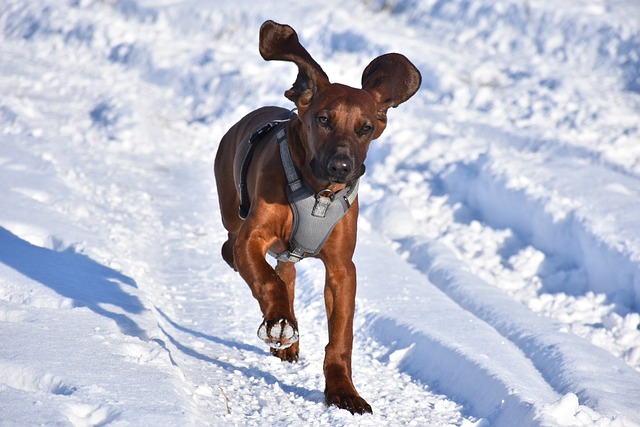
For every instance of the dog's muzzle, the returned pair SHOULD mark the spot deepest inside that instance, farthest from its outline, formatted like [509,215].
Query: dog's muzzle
[340,168]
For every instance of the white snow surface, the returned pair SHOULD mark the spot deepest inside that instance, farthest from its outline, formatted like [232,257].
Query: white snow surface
[499,236]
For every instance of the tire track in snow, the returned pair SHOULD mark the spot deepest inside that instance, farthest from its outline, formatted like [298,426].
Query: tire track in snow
[443,345]
[566,363]
[535,229]
[553,362]
[587,228]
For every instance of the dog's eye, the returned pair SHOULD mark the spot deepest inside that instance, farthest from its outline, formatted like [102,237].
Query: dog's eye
[365,130]
[323,121]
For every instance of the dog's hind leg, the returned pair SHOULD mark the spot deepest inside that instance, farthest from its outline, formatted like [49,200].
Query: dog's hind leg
[227,250]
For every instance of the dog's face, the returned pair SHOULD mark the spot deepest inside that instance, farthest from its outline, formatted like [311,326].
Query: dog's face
[339,125]
[339,121]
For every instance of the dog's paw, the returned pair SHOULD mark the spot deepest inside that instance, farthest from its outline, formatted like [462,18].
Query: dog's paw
[351,402]
[279,334]
[290,354]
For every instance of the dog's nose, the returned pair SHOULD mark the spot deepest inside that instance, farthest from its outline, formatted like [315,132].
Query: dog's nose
[339,167]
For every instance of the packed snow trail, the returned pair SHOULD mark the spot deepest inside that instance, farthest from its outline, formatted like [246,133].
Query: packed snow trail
[498,255]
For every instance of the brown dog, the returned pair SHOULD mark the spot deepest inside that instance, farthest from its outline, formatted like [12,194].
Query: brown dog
[327,143]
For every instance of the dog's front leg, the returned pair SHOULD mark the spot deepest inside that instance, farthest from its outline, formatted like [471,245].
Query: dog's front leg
[340,293]
[279,328]
[287,272]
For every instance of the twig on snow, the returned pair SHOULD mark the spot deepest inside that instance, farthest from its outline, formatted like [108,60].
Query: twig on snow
[226,400]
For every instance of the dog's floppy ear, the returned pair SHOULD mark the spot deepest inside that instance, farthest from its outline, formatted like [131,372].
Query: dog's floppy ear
[280,42]
[391,79]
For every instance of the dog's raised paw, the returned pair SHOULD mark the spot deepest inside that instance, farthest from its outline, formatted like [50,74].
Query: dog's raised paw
[278,333]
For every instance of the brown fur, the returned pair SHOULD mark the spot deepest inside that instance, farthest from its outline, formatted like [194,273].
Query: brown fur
[328,140]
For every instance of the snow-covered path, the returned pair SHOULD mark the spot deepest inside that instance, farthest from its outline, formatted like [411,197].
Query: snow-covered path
[498,255]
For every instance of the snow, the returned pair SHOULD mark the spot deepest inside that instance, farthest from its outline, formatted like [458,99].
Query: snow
[498,254]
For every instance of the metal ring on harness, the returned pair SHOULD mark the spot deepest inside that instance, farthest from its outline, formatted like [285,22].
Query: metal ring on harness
[326,193]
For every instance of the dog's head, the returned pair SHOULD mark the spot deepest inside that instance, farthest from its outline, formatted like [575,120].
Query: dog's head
[339,121]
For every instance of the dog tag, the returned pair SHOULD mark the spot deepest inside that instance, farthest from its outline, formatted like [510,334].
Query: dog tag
[323,200]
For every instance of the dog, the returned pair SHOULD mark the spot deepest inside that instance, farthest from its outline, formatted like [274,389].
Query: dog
[259,191]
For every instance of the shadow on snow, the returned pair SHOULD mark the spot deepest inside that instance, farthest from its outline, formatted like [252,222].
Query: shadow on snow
[75,276]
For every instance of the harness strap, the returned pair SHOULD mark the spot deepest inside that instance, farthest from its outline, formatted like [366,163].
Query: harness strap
[314,215]
[293,180]
[256,136]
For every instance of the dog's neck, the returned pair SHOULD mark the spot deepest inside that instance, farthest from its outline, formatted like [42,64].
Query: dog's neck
[297,142]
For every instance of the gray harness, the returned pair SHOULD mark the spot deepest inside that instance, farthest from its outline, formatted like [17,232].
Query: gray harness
[314,214]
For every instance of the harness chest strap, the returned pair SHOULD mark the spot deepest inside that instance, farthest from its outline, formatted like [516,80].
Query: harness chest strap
[314,215]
